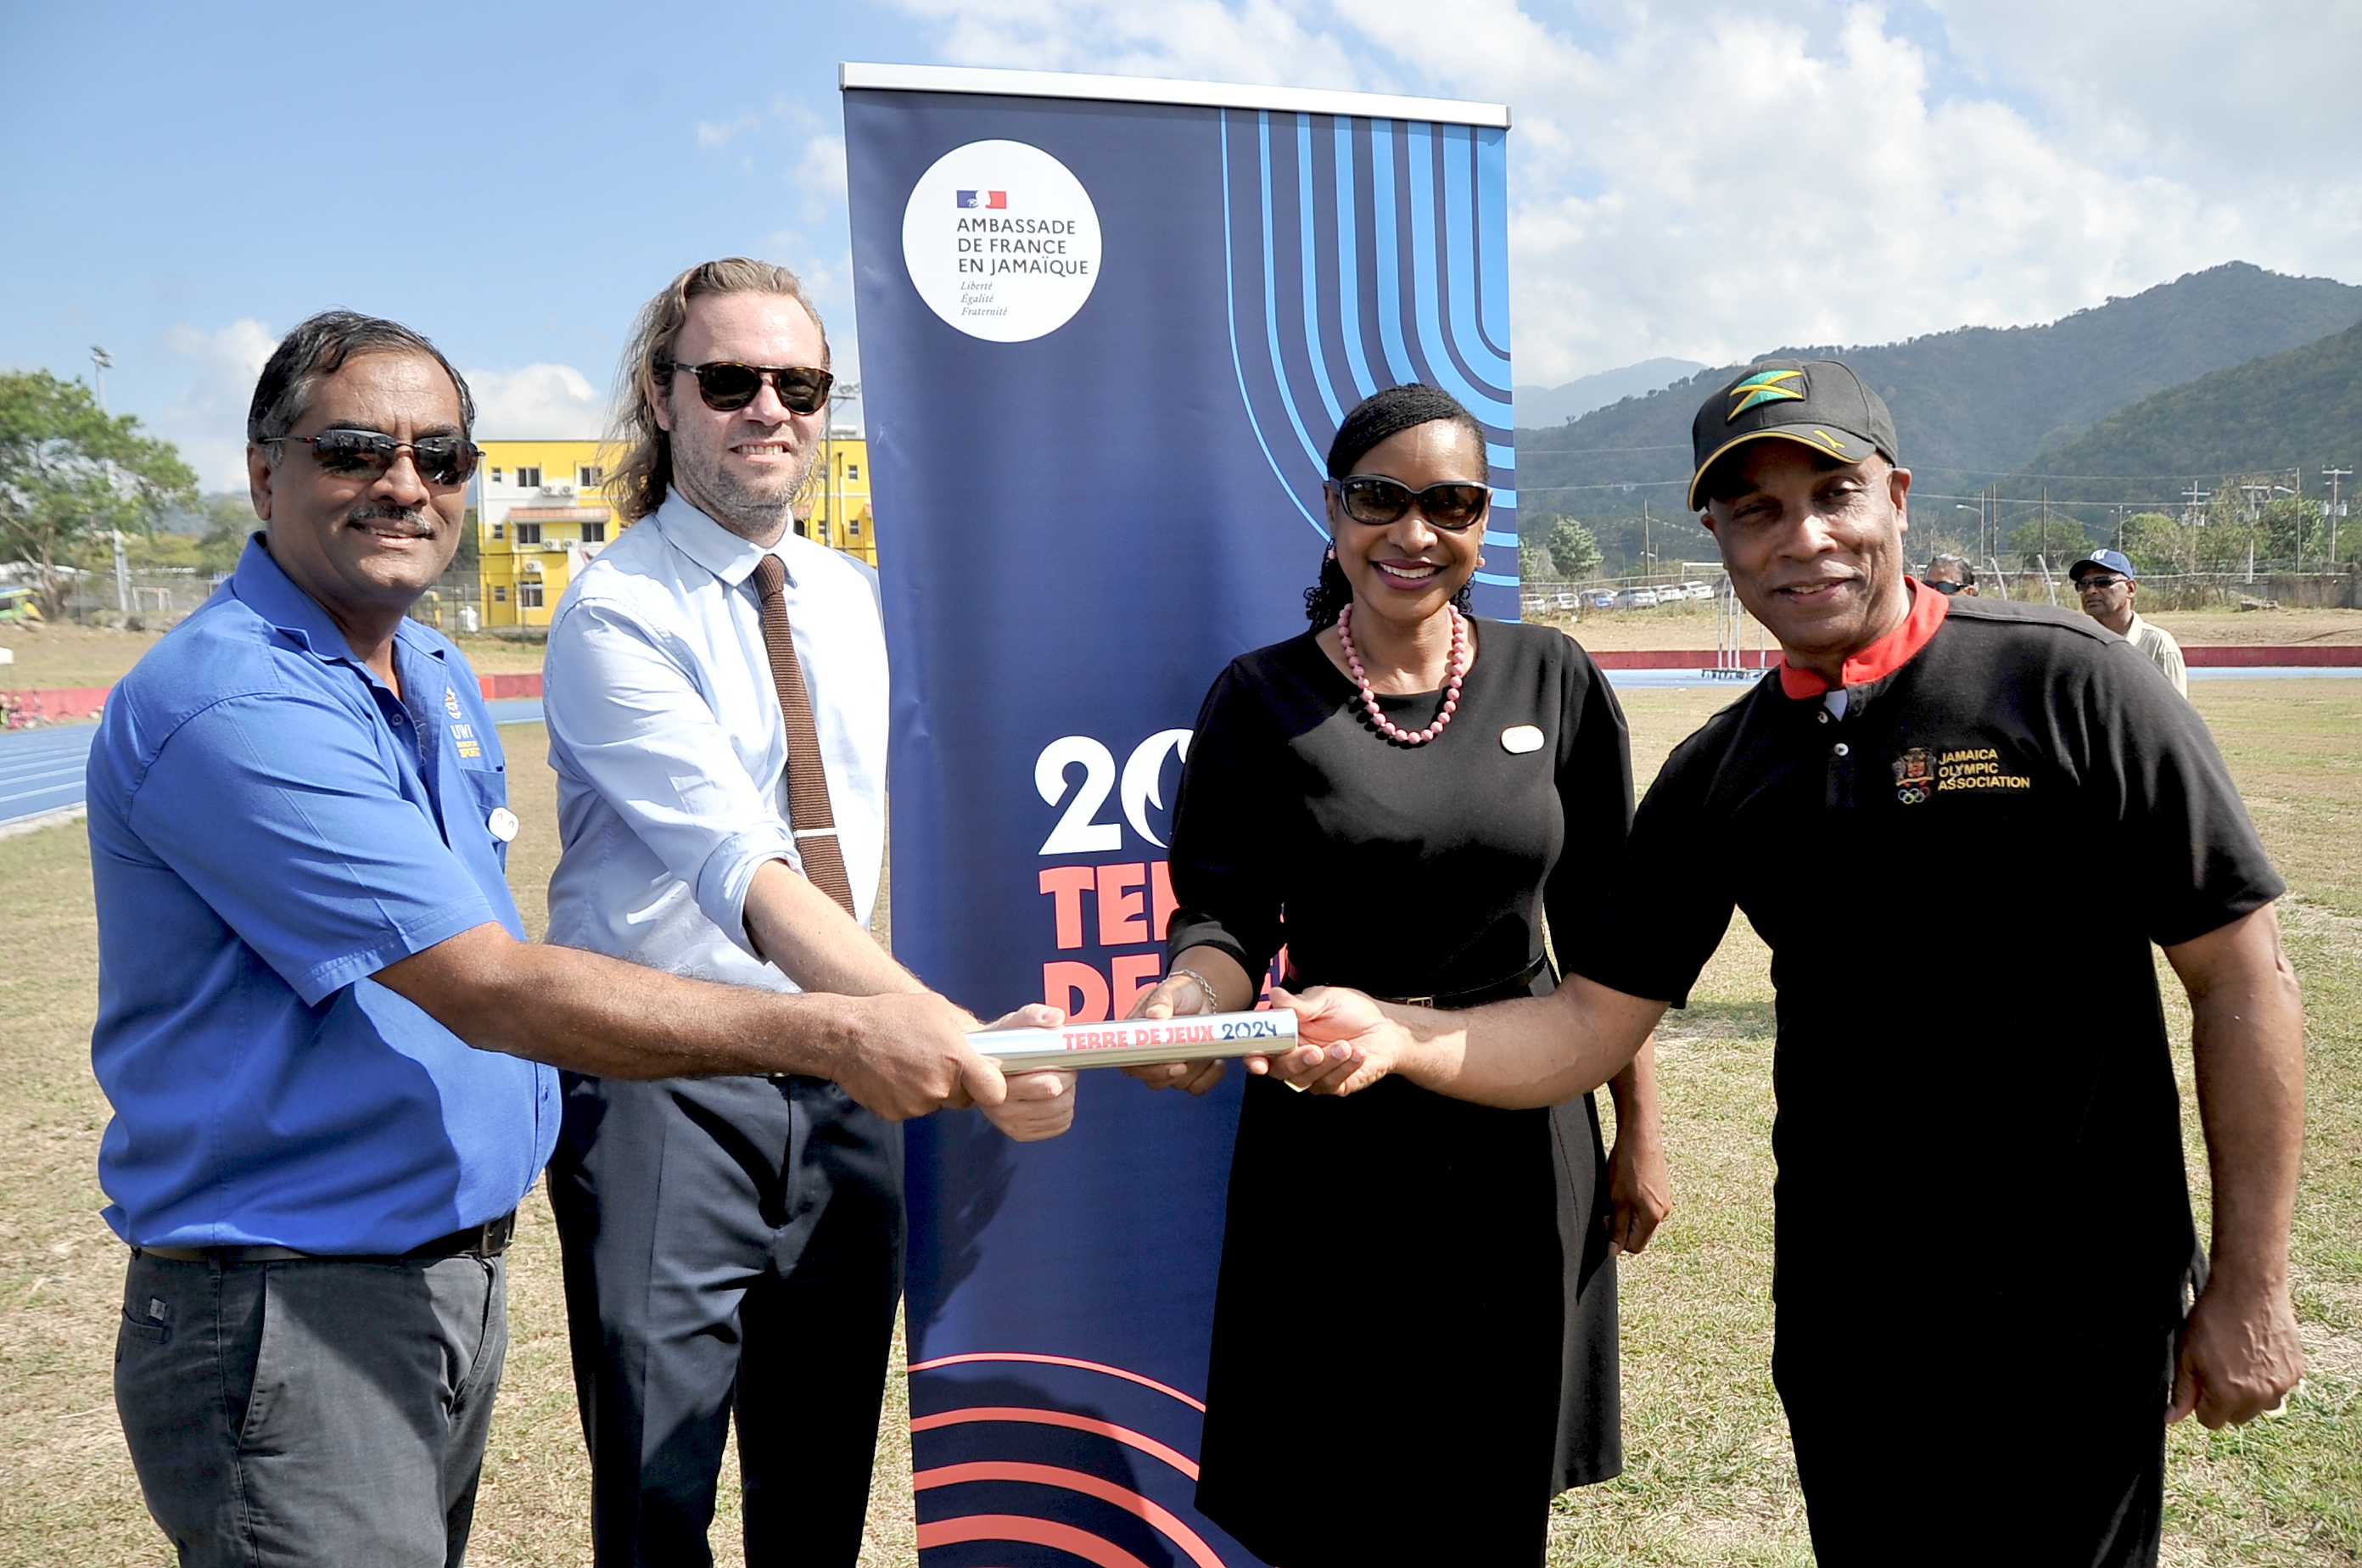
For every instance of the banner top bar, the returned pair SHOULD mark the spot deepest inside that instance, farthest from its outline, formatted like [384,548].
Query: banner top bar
[851,75]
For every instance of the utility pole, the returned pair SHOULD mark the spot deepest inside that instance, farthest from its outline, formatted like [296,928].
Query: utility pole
[122,575]
[2332,476]
[2257,494]
[2196,514]
[1648,555]
[100,361]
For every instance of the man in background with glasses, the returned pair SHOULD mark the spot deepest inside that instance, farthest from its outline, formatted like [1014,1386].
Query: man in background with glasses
[1950,575]
[2106,583]
[320,1025]
[716,695]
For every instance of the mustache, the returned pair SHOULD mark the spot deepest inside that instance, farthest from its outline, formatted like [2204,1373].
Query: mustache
[415,519]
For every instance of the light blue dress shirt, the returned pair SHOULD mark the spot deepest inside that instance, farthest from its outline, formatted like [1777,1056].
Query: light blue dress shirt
[268,826]
[670,750]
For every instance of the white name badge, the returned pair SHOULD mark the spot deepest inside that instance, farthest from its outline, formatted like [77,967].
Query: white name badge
[1518,739]
[503,824]
[1140,1041]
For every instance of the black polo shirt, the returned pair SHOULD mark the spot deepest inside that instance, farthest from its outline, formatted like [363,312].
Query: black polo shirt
[1959,880]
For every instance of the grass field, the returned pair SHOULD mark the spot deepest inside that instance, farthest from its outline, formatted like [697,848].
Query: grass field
[1708,1480]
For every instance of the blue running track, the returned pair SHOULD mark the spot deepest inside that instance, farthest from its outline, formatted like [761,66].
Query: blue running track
[41,771]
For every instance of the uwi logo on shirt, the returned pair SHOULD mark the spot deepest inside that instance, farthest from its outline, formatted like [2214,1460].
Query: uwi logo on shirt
[1914,777]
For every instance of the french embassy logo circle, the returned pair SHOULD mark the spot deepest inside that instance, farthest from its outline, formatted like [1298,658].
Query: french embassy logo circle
[1001,240]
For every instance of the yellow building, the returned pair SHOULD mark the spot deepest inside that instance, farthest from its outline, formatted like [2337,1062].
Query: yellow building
[542,514]
[834,506]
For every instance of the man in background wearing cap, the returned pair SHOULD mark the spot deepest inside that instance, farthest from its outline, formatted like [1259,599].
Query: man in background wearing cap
[1984,1237]
[2106,582]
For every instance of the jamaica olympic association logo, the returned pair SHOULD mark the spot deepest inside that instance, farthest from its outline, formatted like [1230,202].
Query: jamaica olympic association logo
[1914,777]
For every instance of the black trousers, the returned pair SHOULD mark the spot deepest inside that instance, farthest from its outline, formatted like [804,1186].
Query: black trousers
[732,1245]
[2041,1448]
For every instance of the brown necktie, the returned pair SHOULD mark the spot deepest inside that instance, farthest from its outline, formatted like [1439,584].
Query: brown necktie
[807,809]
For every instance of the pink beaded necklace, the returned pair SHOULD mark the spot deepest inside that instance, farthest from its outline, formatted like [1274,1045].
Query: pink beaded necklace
[1454,672]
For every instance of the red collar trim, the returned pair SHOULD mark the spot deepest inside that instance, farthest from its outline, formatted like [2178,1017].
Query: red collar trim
[1882,657]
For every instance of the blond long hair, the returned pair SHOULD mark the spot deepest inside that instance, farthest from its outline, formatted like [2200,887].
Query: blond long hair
[638,479]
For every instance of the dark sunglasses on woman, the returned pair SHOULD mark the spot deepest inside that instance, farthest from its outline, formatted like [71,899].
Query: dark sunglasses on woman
[727,386]
[1380,502]
[440,459]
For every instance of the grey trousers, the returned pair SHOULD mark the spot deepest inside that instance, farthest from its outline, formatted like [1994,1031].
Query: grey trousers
[318,1412]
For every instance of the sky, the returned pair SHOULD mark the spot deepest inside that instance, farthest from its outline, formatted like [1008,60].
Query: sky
[1694,178]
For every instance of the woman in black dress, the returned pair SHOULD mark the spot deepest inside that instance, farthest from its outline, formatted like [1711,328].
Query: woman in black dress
[1400,797]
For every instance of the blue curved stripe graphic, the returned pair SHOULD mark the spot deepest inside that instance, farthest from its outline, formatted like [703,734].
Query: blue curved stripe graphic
[1427,288]
[1460,235]
[1349,262]
[1271,306]
[1389,297]
[1380,248]
[1489,149]
[1304,237]
[1230,292]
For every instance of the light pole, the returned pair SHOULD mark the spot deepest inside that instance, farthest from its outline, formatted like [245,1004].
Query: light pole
[100,361]
[2332,476]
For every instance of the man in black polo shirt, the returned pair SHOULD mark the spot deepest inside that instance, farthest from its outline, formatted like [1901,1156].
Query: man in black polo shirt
[1985,1248]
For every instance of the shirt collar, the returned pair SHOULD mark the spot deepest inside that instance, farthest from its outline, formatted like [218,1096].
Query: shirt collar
[729,557]
[264,587]
[1882,657]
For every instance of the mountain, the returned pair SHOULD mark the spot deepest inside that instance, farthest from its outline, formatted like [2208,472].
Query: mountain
[1540,406]
[1971,405]
[2301,410]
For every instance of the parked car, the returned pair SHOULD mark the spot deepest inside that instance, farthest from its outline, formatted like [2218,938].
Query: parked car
[1698,590]
[1603,600]
[1637,598]
[1533,603]
[1565,602]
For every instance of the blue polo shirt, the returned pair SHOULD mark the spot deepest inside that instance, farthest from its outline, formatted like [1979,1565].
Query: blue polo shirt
[269,827]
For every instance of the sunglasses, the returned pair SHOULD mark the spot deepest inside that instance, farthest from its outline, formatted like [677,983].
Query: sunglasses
[1381,503]
[1947,589]
[726,385]
[2095,582]
[440,459]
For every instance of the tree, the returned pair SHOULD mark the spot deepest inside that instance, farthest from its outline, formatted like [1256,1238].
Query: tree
[70,474]
[230,518]
[2055,536]
[2161,543]
[1572,549]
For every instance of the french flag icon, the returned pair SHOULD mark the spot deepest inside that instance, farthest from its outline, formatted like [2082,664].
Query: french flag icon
[984,198]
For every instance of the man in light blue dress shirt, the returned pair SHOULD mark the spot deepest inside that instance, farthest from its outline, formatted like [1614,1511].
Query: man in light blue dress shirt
[732,1244]
[320,1027]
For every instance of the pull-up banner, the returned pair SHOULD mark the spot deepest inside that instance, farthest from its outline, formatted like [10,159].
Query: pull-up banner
[1108,328]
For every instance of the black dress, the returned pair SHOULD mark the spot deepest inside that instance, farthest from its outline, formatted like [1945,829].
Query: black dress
[1415,1330]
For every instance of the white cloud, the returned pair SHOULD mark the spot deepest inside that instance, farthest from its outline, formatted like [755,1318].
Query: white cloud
[819,171]
[539,402]
[1692,180]
[208,421]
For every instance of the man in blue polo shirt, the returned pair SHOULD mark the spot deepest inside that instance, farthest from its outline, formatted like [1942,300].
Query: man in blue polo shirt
[324,1036]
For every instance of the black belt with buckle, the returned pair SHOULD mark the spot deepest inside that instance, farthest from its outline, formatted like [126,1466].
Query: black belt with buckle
[488,1240]
[1518,985]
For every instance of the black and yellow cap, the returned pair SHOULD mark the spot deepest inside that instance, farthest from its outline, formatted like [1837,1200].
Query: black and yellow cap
[1820,404]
